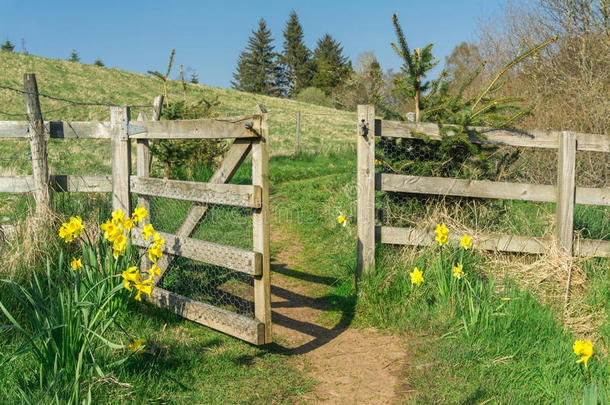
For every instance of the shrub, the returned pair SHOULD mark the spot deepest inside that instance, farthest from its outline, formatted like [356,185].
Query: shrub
[313,95]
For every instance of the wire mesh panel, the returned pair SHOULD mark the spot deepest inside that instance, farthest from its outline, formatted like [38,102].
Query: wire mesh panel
[592,171]
[438,160]
[223,225]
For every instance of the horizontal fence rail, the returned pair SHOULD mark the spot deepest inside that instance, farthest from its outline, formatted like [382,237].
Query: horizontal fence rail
[215,193]
[211,128]
[242,327]
[494,136]
[501,242]
[244,261]
[485,189]
[73,183]
[565,194]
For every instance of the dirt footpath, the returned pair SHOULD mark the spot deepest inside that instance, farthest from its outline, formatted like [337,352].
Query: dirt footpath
[350,365]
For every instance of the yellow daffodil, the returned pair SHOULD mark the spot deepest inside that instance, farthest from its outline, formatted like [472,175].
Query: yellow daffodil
[442,239]
[342,220]
[377,162]
[72,229]
[155,270]
[154,253]
[76,264]
[417,277]
[130,275]
[110,230]
[458,271]
[158,240]
[143,287]
[137,346]
[118,246]
[584,350]
[148,231]
[465,241]
[139,214]
[128,223]
[75,226]
[118,216]
[442,234]
[64,233]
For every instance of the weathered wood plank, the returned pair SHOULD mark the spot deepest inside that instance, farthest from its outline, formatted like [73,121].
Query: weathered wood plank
[365,132]
[38,145]
[503,243]
[59,129]
[566,180]
[593,196]
[240,195]
[591,248]
[58,182]
[121,159]
[495,136]
[244,261]
[466,188]
[261,221]
[485,189]
[211,128]
[228,322]
[17,184]
[229,165]
[82,184]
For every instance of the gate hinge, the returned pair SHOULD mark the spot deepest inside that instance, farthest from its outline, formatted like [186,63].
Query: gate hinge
[127,128]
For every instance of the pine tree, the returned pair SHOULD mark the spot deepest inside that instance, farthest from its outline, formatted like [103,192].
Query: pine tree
[331,67]
[194,78]
[8,46]
[414,68]
[296,57]
[258,67]
[74,56]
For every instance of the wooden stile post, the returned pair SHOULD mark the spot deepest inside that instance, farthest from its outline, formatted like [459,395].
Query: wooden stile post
[260,221]
[121,158]
[38,144]
[566,190]
[366,188]
[297,133]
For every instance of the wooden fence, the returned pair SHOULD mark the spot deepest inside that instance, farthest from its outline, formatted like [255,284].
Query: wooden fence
[249,134]
[565,194]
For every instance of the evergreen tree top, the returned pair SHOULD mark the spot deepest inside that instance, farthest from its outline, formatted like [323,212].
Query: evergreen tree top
[331,50]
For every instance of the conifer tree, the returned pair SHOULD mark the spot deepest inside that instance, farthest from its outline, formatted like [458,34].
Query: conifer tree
[8,46]
[258,67]
[415,67]
[74,56]
[296,57]
[331,67]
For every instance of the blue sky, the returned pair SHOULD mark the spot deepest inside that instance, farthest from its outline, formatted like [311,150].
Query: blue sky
[208,36]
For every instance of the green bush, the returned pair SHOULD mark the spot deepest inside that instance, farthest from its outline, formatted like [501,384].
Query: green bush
[314,95]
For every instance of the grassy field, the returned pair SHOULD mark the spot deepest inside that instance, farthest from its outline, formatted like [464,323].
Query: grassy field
[519,352]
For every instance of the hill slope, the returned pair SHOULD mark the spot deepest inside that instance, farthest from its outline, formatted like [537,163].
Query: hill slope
[322,129]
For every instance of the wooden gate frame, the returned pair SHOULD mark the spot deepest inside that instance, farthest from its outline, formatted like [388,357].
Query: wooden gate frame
[250,133]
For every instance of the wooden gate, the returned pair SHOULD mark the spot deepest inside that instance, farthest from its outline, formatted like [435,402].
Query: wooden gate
[250,134]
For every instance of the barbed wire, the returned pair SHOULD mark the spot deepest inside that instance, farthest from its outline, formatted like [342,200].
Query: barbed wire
[73,102]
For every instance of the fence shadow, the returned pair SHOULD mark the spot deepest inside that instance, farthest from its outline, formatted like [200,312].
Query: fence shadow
[299,321]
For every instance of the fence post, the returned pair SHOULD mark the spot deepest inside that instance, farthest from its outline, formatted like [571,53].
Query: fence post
[121,158]
[296,133]
[38,143]
[260,220]
[366,188]
[566,173]
[144,158]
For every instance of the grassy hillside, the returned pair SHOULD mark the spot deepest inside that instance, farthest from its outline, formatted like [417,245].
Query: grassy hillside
[322,129]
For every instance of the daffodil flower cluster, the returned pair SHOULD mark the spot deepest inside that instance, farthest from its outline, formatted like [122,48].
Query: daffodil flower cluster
[117,232]
[72,229]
